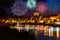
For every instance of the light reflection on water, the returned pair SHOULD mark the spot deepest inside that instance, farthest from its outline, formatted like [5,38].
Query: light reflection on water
[53,32]
[47,30]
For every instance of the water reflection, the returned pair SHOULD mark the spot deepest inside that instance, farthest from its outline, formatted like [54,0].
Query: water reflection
[47,30]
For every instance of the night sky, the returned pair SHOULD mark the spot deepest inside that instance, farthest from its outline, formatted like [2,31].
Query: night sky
[27,7]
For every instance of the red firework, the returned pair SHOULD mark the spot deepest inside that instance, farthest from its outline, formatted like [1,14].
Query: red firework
[41,7]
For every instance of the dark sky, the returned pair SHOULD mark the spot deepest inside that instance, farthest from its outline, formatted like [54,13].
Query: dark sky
[10,6]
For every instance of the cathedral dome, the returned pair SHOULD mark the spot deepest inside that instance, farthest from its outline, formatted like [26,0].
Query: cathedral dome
[36,13]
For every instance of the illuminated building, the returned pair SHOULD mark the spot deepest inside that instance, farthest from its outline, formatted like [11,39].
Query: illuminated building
[36,14]
[53,18]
